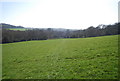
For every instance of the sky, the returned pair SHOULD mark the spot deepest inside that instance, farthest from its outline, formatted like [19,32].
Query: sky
[119,11]
[69,14]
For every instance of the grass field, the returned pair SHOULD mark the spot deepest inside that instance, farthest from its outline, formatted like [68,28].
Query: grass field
[79,58]
[20,29]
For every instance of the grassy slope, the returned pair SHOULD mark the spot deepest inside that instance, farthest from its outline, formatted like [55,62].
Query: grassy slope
[82,58]
[20,29]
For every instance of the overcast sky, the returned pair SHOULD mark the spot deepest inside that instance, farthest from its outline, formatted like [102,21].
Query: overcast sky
[72,14]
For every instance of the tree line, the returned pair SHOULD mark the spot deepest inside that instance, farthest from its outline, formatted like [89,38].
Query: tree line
[9,36]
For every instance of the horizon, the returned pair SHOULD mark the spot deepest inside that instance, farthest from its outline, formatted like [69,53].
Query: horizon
[67,14]
[58,28]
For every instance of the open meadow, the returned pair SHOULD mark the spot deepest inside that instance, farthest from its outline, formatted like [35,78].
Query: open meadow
[18,29]
[72,58]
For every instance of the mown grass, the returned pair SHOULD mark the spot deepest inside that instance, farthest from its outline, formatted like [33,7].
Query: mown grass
[80,58]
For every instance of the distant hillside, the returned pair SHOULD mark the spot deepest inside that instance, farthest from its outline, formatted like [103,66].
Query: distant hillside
[3,25]
[12,33]
[12,27]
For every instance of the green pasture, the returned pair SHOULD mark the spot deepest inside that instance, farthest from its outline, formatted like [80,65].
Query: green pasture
[72,58]
[20,29]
